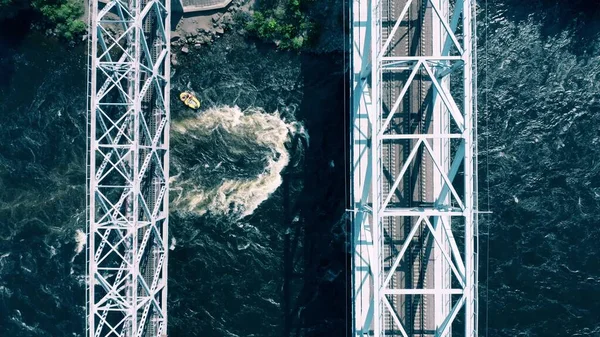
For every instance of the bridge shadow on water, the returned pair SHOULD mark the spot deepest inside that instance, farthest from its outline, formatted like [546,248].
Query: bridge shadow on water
[316,289]
[13,32]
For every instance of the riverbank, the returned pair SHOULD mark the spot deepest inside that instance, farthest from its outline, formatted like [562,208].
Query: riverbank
[193,31]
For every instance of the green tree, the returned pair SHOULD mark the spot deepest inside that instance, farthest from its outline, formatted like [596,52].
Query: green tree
[287,25]
[63,16]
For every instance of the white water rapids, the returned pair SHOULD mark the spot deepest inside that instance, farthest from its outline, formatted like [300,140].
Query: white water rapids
[231,131]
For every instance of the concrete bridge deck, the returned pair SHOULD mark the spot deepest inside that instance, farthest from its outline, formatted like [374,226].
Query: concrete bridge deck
[191,6]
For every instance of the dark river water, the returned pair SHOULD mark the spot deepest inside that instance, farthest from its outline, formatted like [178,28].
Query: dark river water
[541,136]
[266,256]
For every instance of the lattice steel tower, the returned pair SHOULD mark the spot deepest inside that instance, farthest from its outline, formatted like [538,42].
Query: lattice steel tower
[128,168]
[414,165]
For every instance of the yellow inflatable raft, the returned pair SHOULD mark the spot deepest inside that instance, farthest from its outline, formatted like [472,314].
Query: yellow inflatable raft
[189,99]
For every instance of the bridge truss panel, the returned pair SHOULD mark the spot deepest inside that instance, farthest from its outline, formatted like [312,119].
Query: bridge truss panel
[414,157]
[128,168]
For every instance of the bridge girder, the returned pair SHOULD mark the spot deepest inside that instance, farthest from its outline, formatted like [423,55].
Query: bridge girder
[392,223]
[128,168]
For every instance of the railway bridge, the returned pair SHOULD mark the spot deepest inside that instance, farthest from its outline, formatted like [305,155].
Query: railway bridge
[413,168]
[413,163]
[128,168]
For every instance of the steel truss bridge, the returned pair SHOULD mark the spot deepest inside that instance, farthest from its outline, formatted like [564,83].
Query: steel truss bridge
[128,168]
[414,184]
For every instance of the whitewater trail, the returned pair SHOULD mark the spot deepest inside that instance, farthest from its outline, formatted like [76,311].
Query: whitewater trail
[227,134]
[80,239]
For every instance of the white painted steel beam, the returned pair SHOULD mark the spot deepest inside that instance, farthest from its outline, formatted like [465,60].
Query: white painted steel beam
[128,168]
[362,114]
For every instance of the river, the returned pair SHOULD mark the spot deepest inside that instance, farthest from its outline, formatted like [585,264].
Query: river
[267,258]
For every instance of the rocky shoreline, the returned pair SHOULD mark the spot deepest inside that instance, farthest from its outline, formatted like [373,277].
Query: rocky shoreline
[195,31]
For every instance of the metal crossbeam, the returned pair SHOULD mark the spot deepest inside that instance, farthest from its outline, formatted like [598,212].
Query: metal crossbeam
[128,168]
[413,168]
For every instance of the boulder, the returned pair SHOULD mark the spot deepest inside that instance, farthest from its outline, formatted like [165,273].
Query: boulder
[227,19]
[185,50]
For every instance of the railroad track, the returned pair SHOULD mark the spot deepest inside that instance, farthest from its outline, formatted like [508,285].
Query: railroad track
[410,39]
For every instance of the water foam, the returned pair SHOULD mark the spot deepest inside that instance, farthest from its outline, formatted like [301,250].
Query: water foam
[80,239]
[236,132]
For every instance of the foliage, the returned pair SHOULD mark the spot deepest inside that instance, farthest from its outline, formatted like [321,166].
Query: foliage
[62,16]
[288,25]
